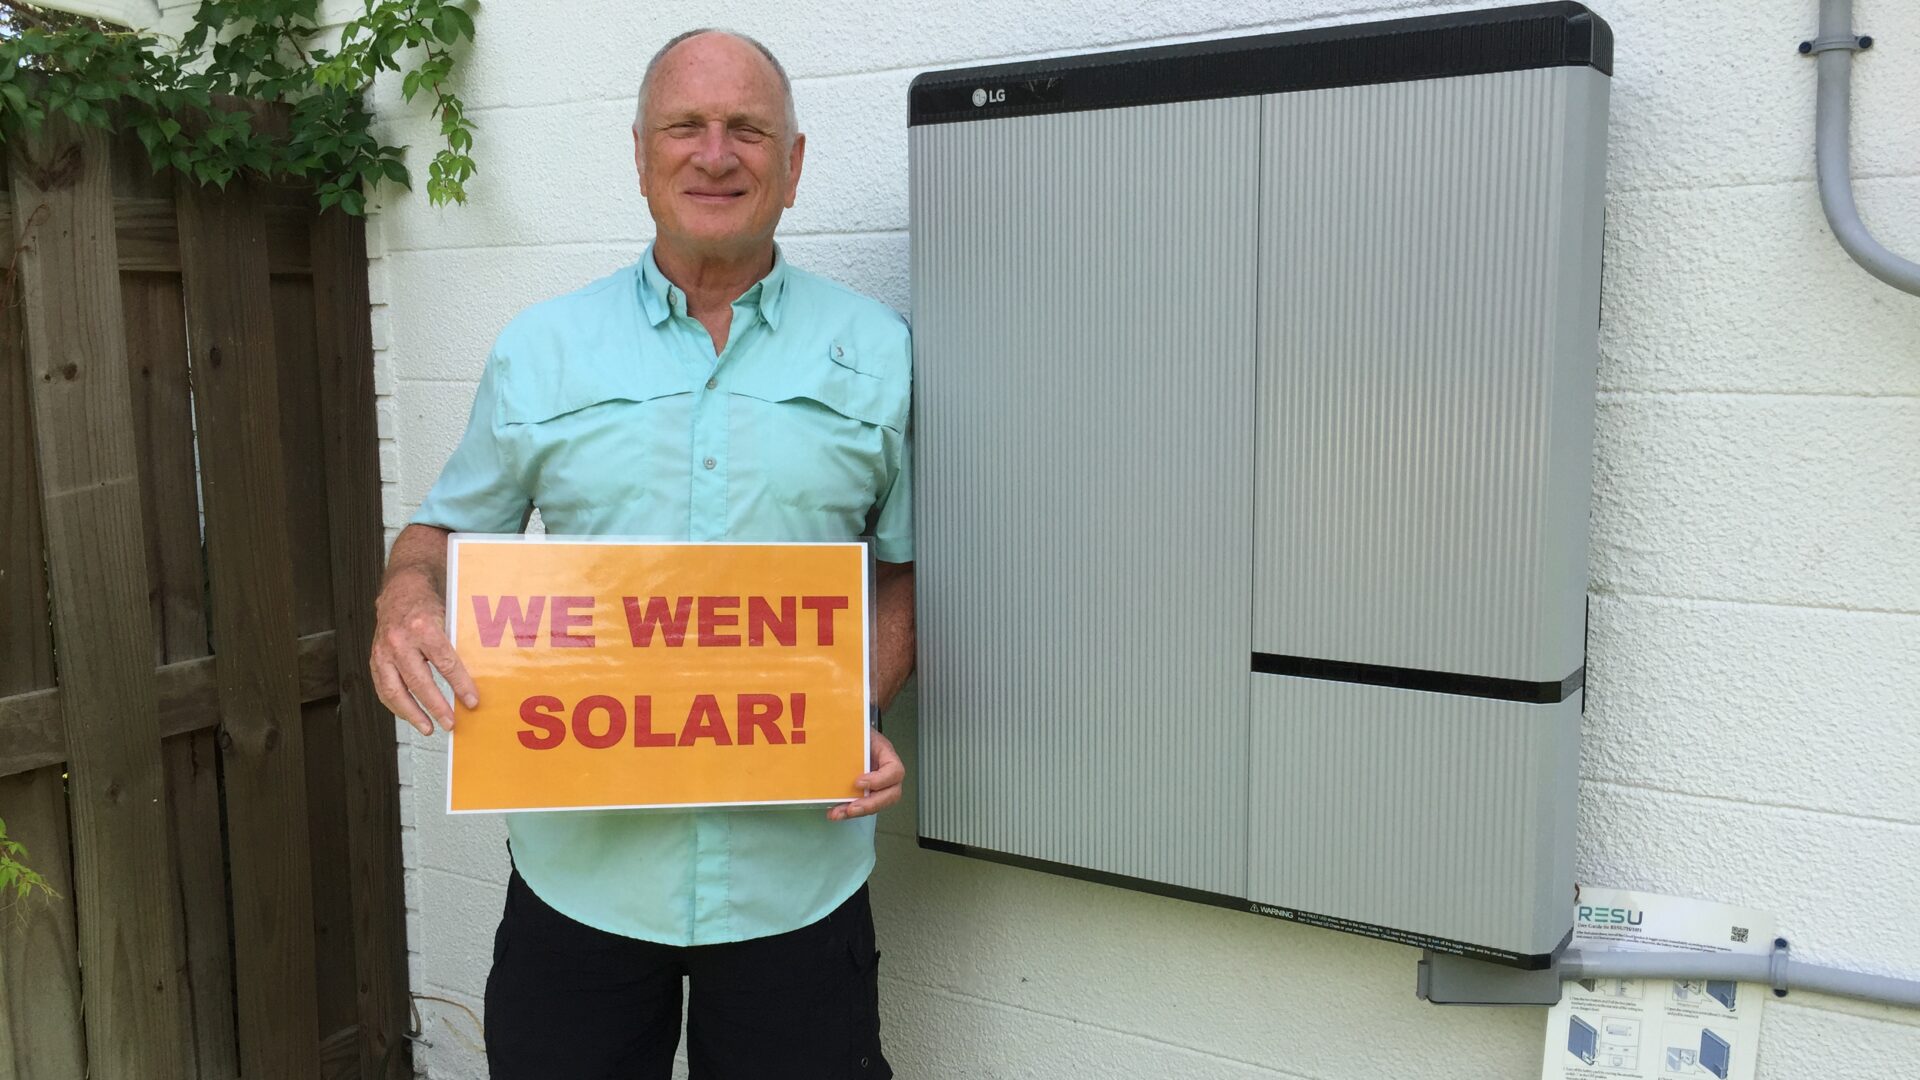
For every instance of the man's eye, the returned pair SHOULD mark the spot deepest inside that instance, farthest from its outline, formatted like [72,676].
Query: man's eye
[684,127]
[749,134]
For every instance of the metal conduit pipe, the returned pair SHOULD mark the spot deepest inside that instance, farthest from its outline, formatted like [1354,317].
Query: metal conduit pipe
[1833,51]
[1776,970]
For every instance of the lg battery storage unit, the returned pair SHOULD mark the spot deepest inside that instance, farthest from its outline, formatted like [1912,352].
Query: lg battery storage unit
[1716,1054]
[1253,410]
[1582,1041]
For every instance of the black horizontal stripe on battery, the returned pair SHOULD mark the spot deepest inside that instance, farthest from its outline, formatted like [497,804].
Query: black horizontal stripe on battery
[1433,682]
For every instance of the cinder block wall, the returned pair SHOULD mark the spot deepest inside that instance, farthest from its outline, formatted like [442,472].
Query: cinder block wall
[1752,732]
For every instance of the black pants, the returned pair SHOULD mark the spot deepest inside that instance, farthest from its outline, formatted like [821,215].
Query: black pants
[568,1002]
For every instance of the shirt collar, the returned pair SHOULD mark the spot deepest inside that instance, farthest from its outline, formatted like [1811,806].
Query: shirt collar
[660,297]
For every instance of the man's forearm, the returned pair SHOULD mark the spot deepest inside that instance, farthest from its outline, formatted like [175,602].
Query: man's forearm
[893,629]
[419,550]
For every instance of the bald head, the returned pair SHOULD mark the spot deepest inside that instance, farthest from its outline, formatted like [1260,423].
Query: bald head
[716,151]
[765,55]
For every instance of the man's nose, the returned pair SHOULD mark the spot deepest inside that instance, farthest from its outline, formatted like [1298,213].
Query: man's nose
[715,152]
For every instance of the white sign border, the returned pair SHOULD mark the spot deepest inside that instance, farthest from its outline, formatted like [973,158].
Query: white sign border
[454,540]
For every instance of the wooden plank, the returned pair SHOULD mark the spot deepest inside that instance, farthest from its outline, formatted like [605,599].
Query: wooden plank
[148,235]
[170,496]
[148,232]
[192,762]
[289,231]
[163,440]
[40,1025]
[303,443]
[290,206]
[26,635]
[223,259]
[156,345]
[334,991]
[343,334]
[89,482]
[31,736]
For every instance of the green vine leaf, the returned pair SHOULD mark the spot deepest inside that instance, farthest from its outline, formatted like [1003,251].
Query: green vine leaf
[262,50]
[15,876]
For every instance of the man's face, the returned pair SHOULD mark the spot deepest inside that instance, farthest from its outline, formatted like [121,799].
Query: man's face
[716,162]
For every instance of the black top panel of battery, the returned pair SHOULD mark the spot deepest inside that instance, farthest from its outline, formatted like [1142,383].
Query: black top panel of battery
[1359,54]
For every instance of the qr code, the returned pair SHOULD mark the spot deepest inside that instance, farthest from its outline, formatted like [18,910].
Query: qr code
[1739,934]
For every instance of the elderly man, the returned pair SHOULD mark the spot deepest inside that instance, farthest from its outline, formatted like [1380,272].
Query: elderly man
[711,391]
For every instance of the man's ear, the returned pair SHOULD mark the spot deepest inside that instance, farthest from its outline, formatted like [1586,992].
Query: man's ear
[640,158]
[795,158]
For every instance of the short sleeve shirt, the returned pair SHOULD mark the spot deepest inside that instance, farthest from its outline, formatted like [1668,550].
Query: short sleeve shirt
[608,411]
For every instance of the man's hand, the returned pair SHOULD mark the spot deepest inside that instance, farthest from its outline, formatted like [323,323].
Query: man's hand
[882,785]
[411,633]
[893,655]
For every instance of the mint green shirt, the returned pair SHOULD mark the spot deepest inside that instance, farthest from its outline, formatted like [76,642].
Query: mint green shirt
[608,411]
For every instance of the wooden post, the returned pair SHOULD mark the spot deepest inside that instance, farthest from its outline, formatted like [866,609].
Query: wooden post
[40,1032]
[96,566]
[223,260]
[344,340]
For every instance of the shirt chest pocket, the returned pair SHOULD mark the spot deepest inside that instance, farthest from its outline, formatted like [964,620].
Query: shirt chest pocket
[818,437]
[597,436]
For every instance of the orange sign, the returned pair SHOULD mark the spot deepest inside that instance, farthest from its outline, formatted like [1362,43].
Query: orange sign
[628,674]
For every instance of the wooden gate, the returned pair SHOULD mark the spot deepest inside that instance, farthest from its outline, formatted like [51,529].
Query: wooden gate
[189,745]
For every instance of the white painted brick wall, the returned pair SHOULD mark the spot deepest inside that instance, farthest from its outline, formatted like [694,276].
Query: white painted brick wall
[1756,565]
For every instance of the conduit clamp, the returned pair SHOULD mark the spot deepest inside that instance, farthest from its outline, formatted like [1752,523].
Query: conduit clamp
[1828,44]
[1777,966]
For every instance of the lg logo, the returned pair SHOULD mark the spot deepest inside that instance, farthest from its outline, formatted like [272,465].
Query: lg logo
[986,97]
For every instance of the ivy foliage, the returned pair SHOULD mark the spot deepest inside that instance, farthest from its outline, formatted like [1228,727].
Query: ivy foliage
[15,878]
[262,50]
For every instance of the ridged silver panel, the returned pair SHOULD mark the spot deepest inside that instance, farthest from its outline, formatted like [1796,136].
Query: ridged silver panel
[1429,813]
[1084,294]
[1428,335]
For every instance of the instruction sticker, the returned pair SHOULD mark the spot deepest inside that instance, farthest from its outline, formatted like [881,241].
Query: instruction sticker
[626,674]
[1658,1029]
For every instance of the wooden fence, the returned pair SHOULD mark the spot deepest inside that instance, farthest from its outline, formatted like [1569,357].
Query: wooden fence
[189,746]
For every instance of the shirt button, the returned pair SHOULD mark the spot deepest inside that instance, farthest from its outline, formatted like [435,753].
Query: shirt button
[709,463]
[711,383]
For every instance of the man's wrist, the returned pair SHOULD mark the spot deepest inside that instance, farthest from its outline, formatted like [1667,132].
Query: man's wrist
[409,585]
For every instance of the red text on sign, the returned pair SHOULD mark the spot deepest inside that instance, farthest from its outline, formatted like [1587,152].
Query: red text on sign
[599,721]
[569,613]
[716,621]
